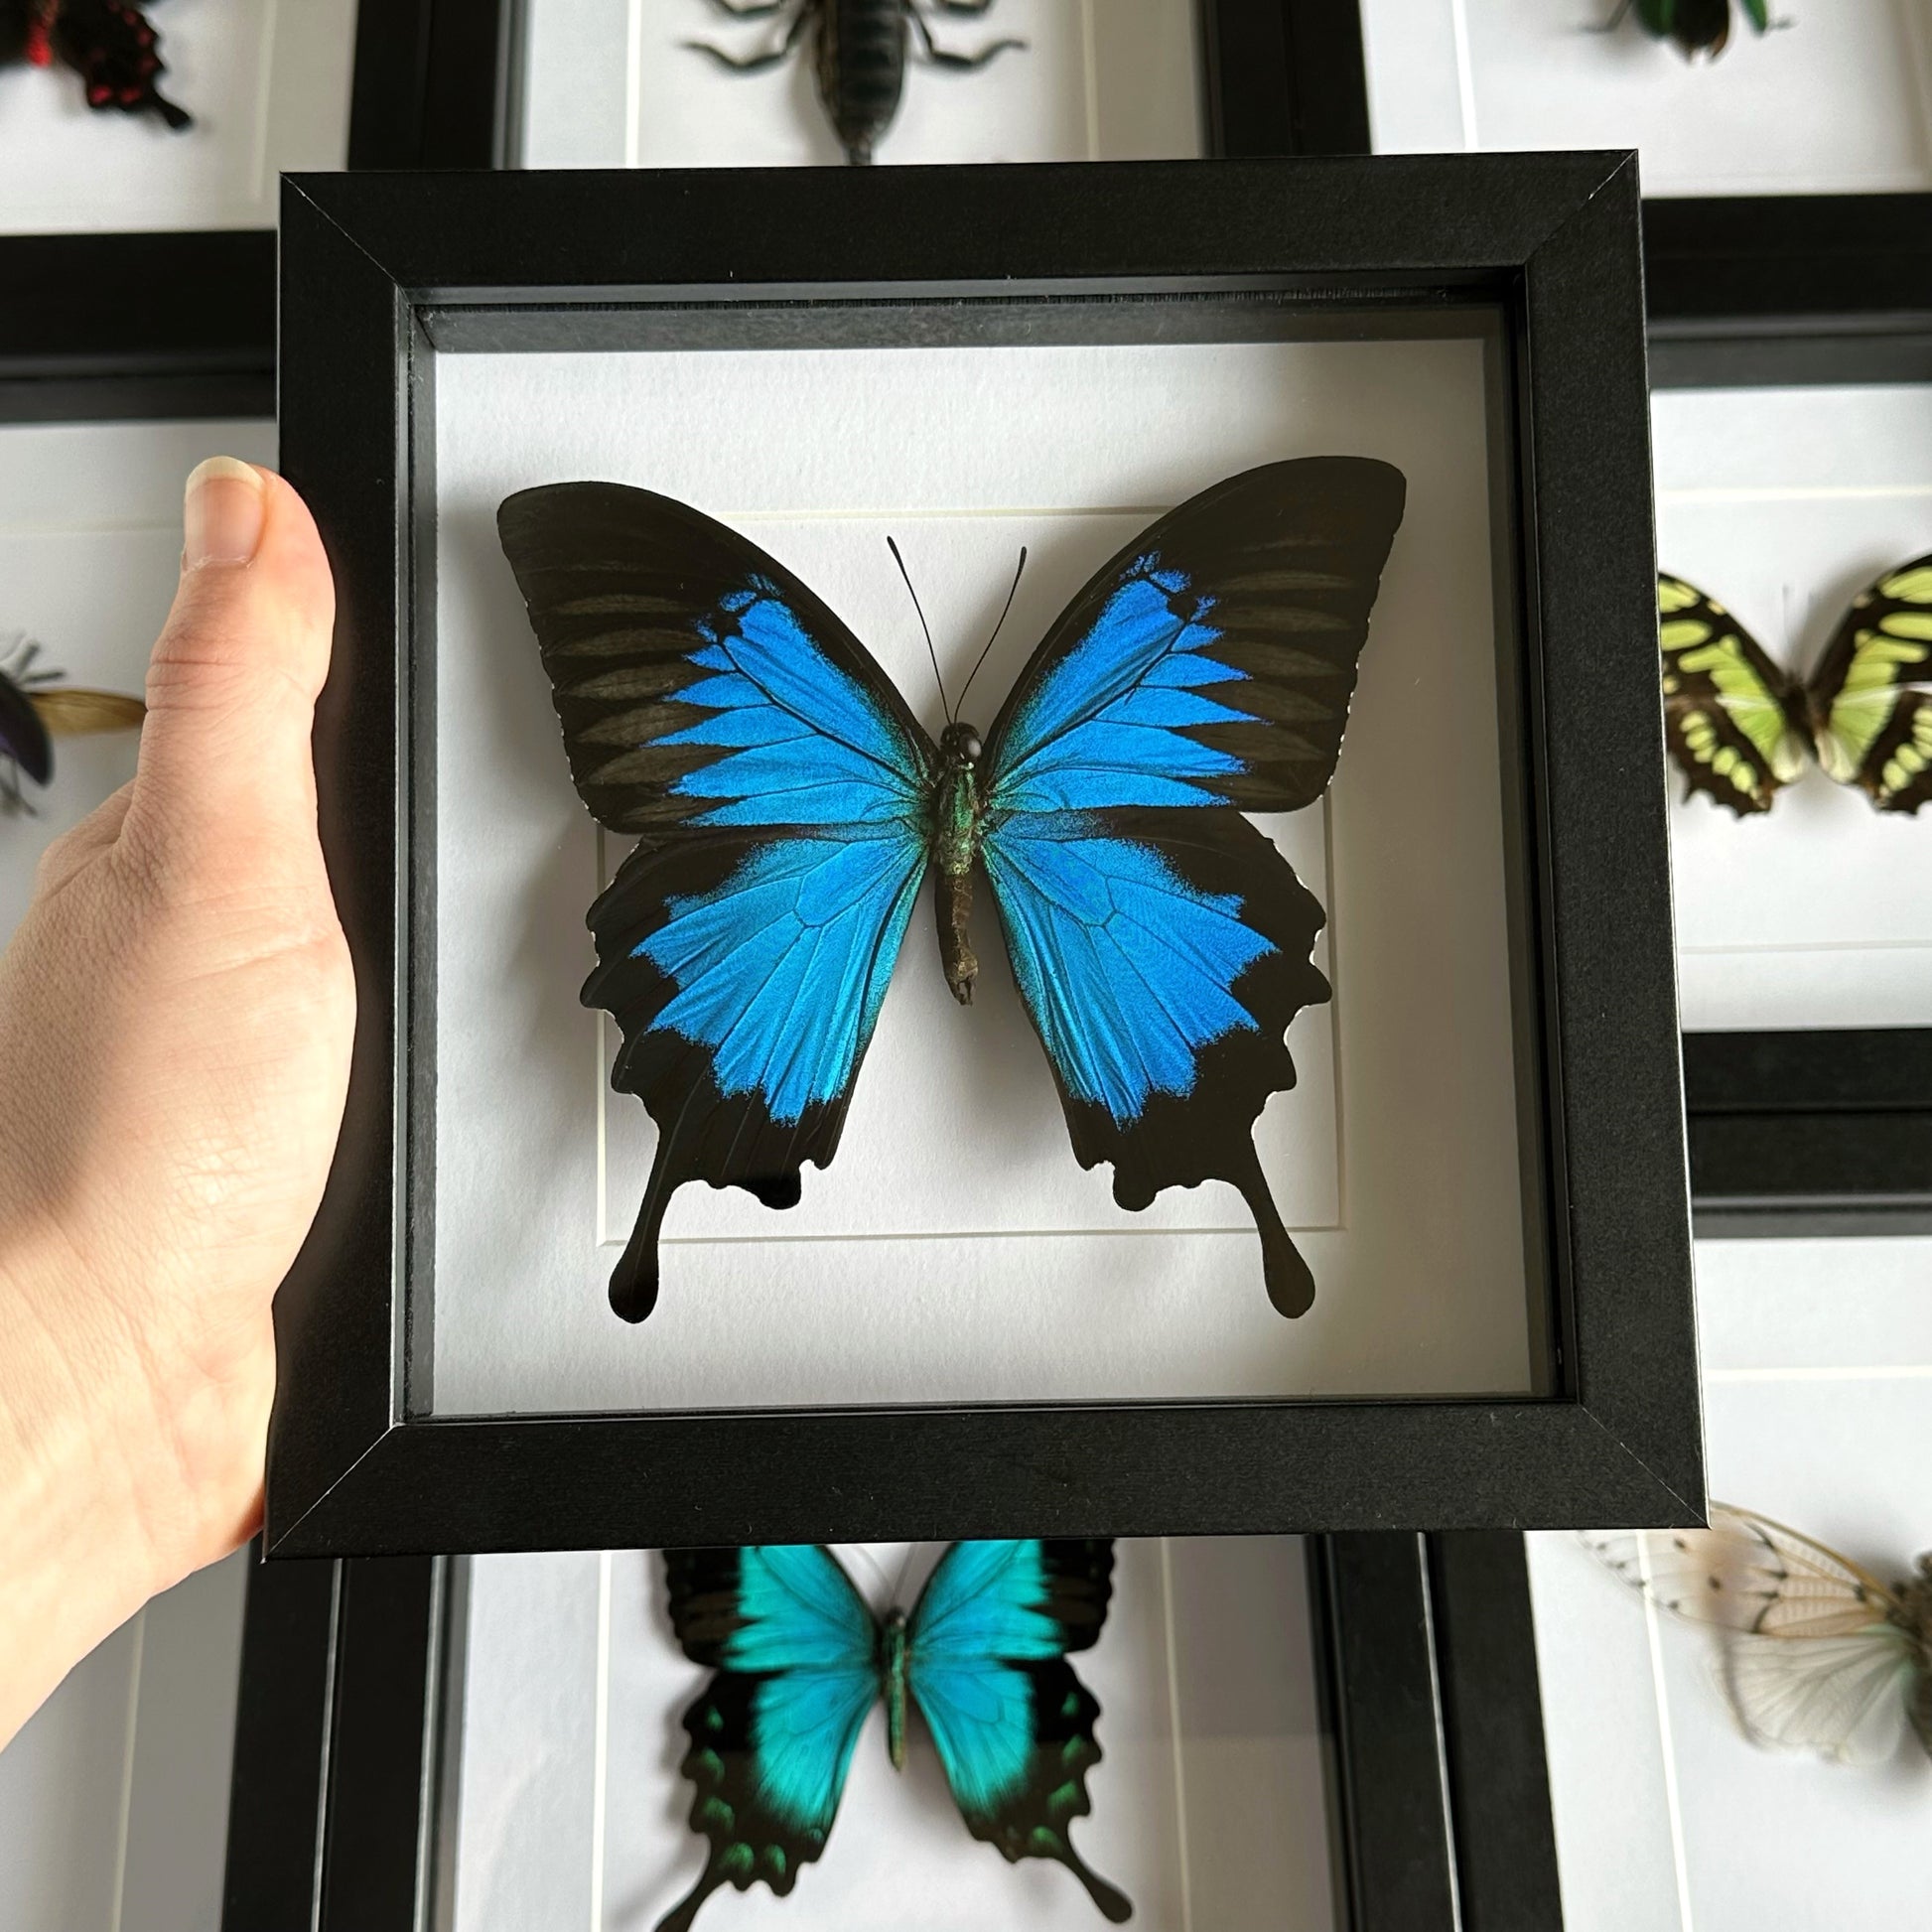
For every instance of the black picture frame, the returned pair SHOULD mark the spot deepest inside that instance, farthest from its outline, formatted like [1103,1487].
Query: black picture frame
[1810,1132]
[128,327]
[342,1817]
[1818,1131]
[381,273]
[1282,77]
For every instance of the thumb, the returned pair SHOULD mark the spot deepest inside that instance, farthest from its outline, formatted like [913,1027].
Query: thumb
[232,682]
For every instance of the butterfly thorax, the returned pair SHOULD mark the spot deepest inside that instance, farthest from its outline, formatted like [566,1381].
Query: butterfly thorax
[1913,1612]
[891,1674]
[955,833]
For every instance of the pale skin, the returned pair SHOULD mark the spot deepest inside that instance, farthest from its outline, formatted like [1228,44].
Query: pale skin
[176,1014]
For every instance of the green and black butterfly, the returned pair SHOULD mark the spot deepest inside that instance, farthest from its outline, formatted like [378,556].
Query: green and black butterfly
[1699,27]
[1738,726]
[799,1659]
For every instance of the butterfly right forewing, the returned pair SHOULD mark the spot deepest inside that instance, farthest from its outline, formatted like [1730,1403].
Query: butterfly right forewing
[1871,698]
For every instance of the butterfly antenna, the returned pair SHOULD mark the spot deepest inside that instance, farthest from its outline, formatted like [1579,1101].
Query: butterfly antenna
[923,626]
[992,641]
[905,1570]
[872,1564]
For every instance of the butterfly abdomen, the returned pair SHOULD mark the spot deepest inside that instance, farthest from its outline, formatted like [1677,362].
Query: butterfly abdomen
[956,832]
[891,1675]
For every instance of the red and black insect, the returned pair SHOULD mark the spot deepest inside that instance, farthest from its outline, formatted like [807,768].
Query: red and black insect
[107,43]
[859,52]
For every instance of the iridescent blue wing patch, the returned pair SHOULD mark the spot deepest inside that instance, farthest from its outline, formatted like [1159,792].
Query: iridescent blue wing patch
[795,1659]
[712,705]
[1162,944]
[986,1661]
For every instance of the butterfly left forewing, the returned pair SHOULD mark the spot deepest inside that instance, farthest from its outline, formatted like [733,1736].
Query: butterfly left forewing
[1870,697]
[1729,720]
[1748,1572]
[1161,943]
[792,1648]
[1014,1725]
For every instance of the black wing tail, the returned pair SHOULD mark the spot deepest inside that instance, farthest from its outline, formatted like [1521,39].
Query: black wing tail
[1035,1822]
[115,51]
[748,1844]
[703,1133]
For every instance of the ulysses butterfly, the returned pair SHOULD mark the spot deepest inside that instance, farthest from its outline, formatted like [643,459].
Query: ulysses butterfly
[800,1660]
[1738,726]
[1818,1654]
[109,43]
[788,807]
[36,708]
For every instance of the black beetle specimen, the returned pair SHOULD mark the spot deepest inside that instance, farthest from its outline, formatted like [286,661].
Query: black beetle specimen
[859,54]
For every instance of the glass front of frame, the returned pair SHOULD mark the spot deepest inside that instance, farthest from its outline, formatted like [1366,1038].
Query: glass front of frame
[617,84]
[955,1251]
[1784,505]
[1209,1801]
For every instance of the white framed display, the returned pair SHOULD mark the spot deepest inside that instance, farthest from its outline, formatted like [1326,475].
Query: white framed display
[612,83]
[1783,504]
[1209,1801]
[267,84]
[1836,98]
[953,1184]
[1818,1397]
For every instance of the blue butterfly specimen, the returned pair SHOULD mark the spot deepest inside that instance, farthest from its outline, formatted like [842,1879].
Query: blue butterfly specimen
[788,807]
[801,1660]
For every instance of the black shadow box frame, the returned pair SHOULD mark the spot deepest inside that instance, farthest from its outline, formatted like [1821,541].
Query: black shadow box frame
[1824,1131]
[1284,76]
[106,327]
[342,1817]
[380,274]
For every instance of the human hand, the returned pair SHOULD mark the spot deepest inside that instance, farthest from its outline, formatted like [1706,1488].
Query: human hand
[176,1016]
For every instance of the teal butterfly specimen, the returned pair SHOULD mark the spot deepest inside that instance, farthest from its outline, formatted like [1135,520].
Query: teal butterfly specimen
[788,807]
[800,1661]
[1697,27]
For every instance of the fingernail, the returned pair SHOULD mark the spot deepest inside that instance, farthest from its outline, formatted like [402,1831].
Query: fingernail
[221,520]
